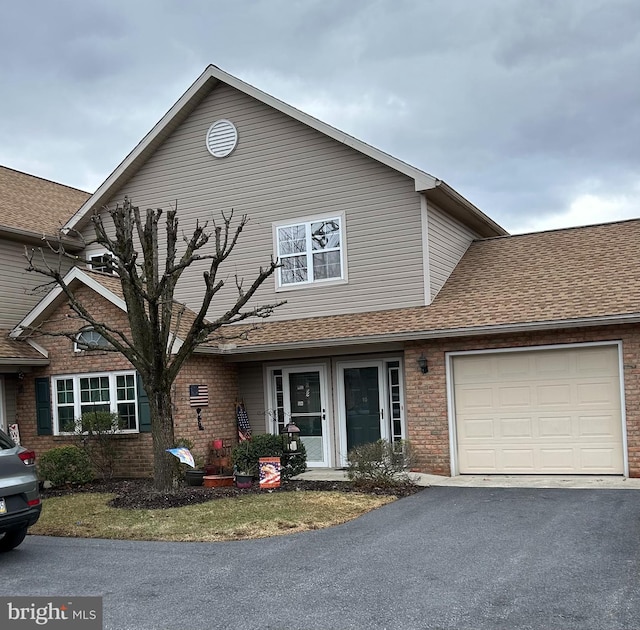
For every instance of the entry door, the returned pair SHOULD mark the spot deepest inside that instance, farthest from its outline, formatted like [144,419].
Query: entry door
[304,390]
[362,404]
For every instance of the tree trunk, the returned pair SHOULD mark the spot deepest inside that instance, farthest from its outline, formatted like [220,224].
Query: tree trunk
[163,438]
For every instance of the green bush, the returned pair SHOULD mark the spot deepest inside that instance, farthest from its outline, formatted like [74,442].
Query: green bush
[379,464]
[65,464]
[246,454]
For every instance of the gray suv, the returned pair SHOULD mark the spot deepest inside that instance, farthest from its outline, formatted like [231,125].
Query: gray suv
[19,494]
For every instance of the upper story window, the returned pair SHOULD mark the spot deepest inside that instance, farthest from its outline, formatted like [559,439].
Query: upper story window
[310,251]
[102,262]
[89,339]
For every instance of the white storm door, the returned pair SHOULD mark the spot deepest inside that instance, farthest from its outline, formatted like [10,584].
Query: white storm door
[305,403]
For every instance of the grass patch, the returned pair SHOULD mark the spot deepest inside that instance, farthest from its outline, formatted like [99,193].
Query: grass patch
[87,515]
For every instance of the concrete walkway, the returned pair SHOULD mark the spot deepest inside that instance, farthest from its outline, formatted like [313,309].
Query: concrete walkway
[497,481]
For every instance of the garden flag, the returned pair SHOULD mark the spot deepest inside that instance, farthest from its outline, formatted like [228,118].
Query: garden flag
[184,455]
[244,428]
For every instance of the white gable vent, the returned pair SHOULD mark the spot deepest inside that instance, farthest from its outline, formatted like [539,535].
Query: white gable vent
[222,138]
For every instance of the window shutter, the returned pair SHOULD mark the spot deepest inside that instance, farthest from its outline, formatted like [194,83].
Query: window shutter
[144,413]
[43,407]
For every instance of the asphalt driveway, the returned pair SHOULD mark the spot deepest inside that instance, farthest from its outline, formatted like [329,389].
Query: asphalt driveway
[471,558]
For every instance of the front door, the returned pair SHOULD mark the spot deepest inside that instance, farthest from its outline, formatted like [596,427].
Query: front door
[300,397]
[370,403]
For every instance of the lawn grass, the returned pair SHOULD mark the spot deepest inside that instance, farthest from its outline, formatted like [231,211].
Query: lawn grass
[87,515]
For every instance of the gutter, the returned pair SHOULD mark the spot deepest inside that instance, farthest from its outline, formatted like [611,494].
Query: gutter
[37,238]
[469,331]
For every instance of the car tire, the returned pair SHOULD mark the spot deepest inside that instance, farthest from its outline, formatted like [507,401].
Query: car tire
[11,539]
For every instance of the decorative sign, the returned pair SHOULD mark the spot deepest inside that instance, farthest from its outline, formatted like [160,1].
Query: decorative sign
[198,395]
[14,433]
[269,472]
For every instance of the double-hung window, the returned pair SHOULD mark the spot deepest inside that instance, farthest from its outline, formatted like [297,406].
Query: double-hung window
[310,251]
[114,392]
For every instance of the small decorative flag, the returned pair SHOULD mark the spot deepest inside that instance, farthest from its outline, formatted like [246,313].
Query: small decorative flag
[244,428]
[183,454]
[269,472]
[198,395]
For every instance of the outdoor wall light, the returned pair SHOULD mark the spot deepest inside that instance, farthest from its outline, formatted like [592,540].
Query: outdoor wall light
[422,364]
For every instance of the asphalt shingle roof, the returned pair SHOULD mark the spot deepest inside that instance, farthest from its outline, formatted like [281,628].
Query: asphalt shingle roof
[36,205]
[569,274]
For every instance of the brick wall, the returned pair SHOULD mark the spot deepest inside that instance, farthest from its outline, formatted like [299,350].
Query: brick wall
[426,394]
[134,451]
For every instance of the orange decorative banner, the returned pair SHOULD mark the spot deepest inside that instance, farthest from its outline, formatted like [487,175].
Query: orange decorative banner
[269,472]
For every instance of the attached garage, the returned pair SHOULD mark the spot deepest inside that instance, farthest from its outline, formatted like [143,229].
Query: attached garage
[538,411]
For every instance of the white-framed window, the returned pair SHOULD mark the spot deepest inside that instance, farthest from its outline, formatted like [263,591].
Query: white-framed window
[90,339]
[102,261]
[310,251]
[73,395]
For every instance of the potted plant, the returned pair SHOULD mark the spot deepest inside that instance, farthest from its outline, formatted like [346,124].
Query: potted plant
[244,465]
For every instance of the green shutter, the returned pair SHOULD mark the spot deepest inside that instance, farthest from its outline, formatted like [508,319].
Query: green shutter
[144,414]
[43,407]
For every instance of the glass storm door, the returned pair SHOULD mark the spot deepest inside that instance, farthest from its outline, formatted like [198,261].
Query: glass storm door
[305,404]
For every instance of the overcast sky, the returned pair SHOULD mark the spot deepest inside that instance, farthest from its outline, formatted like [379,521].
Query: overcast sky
[529,108]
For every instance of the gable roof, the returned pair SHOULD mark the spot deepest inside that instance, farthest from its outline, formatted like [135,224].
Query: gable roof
[106,285]
[582,276]
[34,206]
[436,190]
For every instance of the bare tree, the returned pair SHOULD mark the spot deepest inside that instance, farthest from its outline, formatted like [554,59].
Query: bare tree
[156,320]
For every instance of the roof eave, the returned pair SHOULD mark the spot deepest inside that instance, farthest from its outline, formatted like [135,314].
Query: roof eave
[469,331]
[37,238]
[454,203]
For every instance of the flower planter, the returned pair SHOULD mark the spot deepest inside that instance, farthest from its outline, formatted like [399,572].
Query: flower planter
[244,481]
[194,477]
[217,481]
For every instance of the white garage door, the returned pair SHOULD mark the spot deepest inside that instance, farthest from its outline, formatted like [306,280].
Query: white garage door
[539,412]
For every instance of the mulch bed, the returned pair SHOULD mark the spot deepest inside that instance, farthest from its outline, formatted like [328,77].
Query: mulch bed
[140,494]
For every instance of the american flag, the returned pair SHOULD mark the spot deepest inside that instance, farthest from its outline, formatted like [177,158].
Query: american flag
[244,428]
[198,395]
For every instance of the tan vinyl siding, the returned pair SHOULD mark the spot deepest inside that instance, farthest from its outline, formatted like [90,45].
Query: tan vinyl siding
[250,378]
[448,241]
[17,285]
[283,170]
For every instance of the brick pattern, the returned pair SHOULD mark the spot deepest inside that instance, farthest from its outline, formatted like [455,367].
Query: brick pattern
[135,457]
[426,394]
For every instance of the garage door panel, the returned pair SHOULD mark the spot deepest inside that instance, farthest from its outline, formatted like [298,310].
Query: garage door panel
[479,428]
[474,399]
[539,411]
[514,396]
[598,459]
[557,460]
[516,428]
[555,427]
[599,427]
[598,392]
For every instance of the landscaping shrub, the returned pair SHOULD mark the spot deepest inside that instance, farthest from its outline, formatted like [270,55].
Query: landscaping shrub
[65,464]
[383,464]
[95,436]
[246,454]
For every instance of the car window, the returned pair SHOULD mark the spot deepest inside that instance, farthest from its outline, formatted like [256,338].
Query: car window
[5,441]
